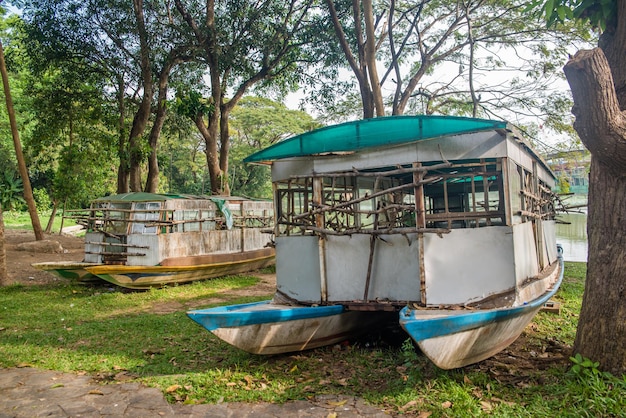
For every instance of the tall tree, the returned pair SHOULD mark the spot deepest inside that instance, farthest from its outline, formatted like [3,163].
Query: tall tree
[21,162]
[244,44]
[597,79]
[437,56]
[134,47]
[71,129]
[142,115]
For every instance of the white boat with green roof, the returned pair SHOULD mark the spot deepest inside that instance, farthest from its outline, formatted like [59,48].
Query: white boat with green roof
[144,240]
[447,221]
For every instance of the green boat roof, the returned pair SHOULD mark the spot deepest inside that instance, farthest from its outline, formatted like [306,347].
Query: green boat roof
[372,133]
[139,197]
[157,197]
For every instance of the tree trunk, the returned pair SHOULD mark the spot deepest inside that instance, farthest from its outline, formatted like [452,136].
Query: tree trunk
[51,219]
[21,163]
[224,150]
[209,133]
[359,66]
[122,171]
[143,113]
[601,333]
[4,276]
[370,57]
[152,181]
[601,125]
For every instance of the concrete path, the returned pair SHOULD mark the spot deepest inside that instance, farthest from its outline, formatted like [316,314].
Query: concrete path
[28,392]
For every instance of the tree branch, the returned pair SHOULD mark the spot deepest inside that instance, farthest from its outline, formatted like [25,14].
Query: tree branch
[600,123]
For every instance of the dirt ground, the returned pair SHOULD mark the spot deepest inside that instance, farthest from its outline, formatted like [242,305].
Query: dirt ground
[22,251]
[519,364]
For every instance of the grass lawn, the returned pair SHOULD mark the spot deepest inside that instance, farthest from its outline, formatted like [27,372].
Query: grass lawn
[146,336]
[21,220]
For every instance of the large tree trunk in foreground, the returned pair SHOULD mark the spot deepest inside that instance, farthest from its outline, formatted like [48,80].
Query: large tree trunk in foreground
[601,125]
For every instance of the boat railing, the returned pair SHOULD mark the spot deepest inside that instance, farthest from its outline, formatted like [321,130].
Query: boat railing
[418,198]
[101,219]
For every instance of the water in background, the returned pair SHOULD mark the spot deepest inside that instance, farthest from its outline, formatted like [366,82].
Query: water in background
[573,237]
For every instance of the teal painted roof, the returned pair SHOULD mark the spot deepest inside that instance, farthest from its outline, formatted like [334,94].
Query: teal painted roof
[137,197]
[154,197]
[157,197]
[372,133]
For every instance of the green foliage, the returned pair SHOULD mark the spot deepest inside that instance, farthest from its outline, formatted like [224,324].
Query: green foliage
[192,103]
[11,191]
[594,392]
[84,172]
[563,184]
[598,13]
[257,123]
[584,368]
[42,200]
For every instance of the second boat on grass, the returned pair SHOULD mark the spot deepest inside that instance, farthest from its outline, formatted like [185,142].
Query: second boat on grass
[451,218]
[144,240]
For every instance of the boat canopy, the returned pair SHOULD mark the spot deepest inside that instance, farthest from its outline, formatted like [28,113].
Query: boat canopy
[158,197]
[140,197]
[372,133]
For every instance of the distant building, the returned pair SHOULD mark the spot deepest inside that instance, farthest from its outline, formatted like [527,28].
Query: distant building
[572,170]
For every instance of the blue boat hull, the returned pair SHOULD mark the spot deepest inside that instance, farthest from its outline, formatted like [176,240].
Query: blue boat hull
[267,328]
[456,338]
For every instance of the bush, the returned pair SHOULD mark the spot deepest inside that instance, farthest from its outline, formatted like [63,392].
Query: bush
[42,200]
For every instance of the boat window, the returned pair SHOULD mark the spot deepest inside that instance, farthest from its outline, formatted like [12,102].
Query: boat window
[257,215]
[466,194]
[115,217]
[338,193]
[515,188]
[177,216]
[208,220]
[535,197]
[189,216]
[294,212]
[145,218]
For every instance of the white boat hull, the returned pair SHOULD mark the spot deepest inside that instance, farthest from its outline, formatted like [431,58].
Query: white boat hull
[456,338]
[297,335]
[269,328]
[473,346]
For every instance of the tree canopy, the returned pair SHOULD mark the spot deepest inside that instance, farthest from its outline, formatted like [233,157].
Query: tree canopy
[120,75]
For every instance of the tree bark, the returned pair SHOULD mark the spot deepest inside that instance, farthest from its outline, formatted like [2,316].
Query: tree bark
[359,66]
[143,113]
[51,219]
[370,57]
[122,171]
[152,181]
[601,125]
[224,150]
[4,276]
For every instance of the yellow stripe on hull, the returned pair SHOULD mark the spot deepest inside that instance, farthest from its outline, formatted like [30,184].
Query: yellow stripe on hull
[145,277]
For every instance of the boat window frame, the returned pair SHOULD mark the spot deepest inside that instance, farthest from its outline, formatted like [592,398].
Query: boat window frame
[393,199]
